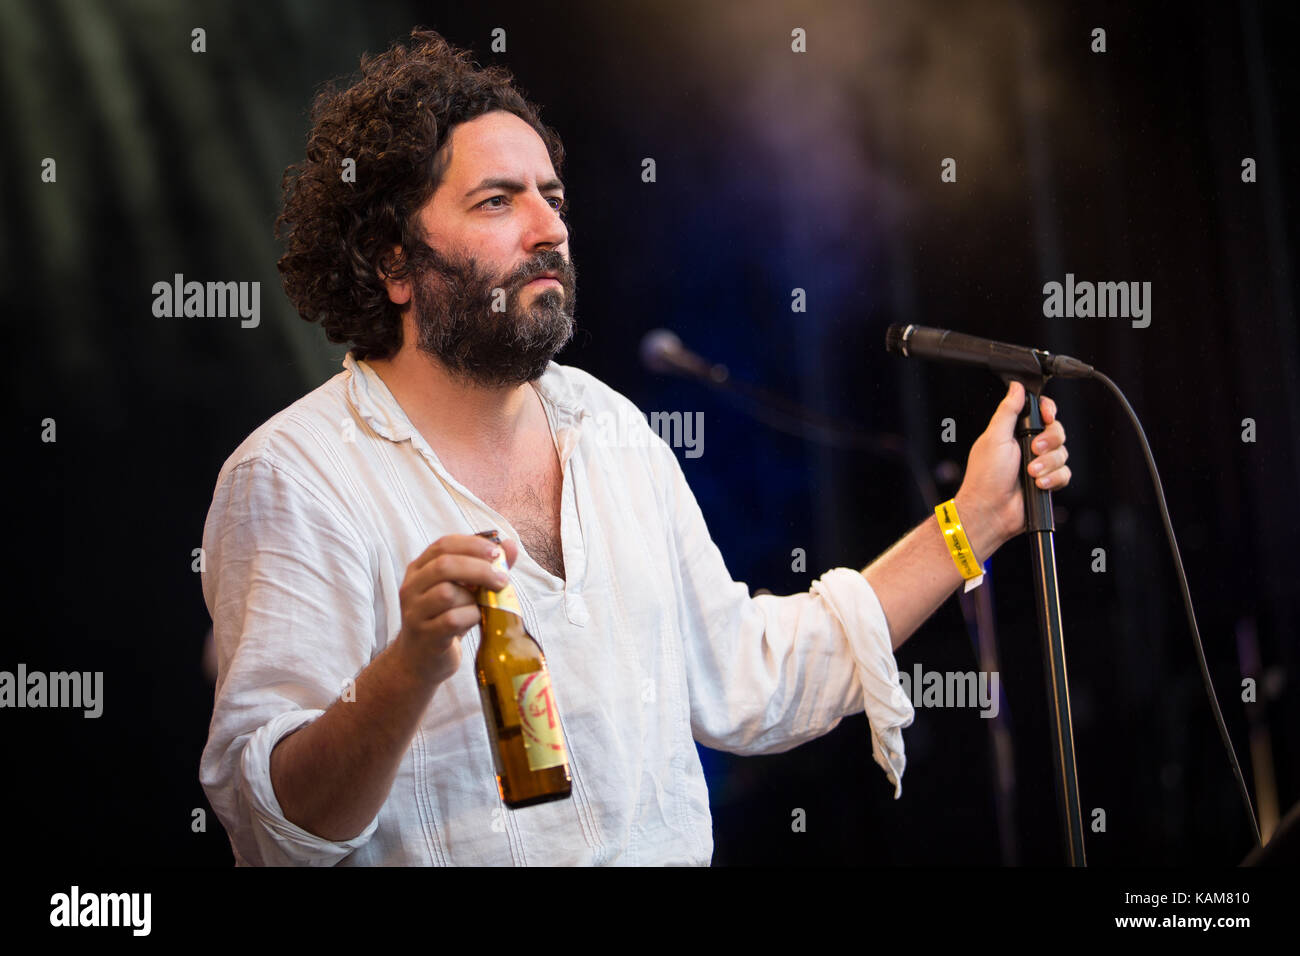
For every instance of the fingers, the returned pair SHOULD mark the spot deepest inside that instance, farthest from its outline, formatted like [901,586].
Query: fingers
[456,569]
[1053,436]
[1015,399]
[1055,479]
[1048,408]
[470,544]
[441,614]
[1049,469]
[466,544]
[1008,410]
[1044,465]
[438,602]
[437,598]
[441,581]
[445,626]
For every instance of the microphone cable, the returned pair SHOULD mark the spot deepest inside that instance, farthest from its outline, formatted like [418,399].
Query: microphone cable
[1187,599]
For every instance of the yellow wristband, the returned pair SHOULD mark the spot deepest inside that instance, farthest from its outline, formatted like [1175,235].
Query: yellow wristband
[958,543]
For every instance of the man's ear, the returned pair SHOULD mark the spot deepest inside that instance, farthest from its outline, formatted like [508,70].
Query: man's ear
[399,290]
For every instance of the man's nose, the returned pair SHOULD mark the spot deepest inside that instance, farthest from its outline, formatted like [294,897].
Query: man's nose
[546,228]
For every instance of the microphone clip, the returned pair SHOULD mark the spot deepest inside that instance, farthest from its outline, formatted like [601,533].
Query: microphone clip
[1033,383]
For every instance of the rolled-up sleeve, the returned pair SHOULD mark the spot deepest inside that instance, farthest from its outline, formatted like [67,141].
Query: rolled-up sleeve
[768,673]
[289,588]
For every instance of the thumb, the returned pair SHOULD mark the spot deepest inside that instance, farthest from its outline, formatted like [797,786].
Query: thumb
[1008,411]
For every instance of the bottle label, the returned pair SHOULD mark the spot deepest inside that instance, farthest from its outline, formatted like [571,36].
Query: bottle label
[506,599]
[539,720]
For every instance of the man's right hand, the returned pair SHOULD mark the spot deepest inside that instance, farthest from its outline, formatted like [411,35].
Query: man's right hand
[332,775]
[437,599]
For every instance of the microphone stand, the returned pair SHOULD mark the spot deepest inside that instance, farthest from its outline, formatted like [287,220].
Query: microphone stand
[1041,527]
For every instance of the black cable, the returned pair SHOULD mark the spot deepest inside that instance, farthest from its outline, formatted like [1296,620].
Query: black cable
[1187,600]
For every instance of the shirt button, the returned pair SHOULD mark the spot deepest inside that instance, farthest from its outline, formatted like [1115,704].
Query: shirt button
[577,609]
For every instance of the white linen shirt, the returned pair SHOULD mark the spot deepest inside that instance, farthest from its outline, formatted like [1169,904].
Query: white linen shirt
[650,643]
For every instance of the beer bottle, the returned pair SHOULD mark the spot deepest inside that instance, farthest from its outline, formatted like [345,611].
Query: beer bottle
[523,724]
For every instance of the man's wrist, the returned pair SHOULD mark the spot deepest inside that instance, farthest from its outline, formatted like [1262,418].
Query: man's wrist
[982,531]
[415,665]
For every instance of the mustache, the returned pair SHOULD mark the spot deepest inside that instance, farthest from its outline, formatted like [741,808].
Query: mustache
[546,261]
[462,271]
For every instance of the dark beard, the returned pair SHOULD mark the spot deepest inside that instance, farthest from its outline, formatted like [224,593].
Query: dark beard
[453,302]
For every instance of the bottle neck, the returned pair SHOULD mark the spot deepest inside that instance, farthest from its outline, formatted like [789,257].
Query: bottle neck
[503,600]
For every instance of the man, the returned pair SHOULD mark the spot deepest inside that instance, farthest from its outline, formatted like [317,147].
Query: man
[341,554]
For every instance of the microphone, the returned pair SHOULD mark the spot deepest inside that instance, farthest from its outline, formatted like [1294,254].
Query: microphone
[662,352]
[941,345]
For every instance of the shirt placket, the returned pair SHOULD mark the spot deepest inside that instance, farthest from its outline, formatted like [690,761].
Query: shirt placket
[566,429]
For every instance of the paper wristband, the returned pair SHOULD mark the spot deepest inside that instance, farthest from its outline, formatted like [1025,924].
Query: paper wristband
[958,544]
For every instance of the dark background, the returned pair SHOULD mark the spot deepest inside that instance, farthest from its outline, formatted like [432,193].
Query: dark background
[775,171]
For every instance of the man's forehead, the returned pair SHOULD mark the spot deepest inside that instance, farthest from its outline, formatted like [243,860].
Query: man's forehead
[496,144]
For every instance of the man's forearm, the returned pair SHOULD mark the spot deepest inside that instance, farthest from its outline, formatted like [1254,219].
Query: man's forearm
[914,577]
[331,776]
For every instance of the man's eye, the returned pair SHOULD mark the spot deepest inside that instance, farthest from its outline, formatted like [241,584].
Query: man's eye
[558,203]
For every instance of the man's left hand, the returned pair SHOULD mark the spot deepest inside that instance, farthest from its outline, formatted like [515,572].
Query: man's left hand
[990,503]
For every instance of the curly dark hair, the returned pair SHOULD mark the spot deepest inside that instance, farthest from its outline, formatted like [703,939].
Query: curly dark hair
[394,122]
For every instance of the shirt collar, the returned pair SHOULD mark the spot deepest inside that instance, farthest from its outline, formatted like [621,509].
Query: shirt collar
[563,397]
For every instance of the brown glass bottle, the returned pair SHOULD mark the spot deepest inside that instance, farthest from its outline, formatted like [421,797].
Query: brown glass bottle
[523,723]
